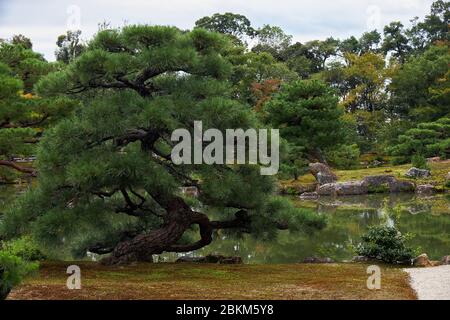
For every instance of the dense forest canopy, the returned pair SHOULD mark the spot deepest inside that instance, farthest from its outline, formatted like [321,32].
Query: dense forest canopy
[99,120]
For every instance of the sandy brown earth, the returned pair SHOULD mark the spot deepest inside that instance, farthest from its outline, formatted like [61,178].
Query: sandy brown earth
[213,281]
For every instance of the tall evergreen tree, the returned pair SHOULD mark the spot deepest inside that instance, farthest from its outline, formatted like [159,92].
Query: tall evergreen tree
[308,116]
[420,87]
[106,179]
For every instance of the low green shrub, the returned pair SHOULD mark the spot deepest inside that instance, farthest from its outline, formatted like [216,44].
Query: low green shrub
[430,139]
[344,156]
[419,161]
[24,248]
[387,244]
[12,271]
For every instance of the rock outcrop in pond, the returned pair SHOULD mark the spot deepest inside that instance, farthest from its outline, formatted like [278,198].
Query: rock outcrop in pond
[328,185]
[425,190]
[368,185]
[349,188]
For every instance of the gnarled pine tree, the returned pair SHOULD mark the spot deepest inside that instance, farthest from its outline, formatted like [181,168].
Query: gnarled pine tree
[106,180]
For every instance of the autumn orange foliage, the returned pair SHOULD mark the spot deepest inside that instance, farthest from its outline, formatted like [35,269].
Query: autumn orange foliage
[263,91]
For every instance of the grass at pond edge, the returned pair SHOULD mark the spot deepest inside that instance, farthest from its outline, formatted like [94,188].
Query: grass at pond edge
[214,281]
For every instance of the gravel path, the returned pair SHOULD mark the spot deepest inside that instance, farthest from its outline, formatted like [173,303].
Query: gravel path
[431,283]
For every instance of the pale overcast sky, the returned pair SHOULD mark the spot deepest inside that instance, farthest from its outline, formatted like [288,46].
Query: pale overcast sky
[44,20]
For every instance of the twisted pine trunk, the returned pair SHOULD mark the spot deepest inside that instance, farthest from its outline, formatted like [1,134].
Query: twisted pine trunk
[179,218]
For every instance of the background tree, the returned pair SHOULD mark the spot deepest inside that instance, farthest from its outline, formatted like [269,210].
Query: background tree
[433,28]
[13,141]
[430,139]
[252,69]
[396,41]
[308,116]
[264,91]
[106,179]
[362,86]
[420,87]
[349,45]
[365,77]
[22,119]
[236,25]
[69,45]
[272,39]
[320,51]
[23,115]
[296,57]
[370,41]
[24,63]
[309,58]
[22,41]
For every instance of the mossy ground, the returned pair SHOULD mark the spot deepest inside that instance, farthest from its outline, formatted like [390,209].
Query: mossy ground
[211,281]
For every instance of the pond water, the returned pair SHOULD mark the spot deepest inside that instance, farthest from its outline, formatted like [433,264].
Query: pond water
[428,219]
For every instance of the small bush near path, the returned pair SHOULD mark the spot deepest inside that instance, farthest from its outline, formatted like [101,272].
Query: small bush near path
[386,244]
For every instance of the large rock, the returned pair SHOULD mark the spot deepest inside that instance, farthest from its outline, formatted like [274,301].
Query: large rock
[376,163]
[309,196]
[322,173]
[379,184]
[376,181]
[350,188]
[192,259]
[425,189]
[446,260]
[418,173]
[212,258]
[360,259]
[323,178]
[298,188]
[422,261]
[401,186]
[366,185]
[317,260]
[328,189]
[394,185]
